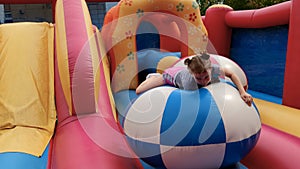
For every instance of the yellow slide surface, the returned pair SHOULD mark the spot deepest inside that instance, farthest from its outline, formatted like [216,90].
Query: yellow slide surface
[27,108]
[278,116]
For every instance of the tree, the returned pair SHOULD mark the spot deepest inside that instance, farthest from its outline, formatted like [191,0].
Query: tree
[238,4]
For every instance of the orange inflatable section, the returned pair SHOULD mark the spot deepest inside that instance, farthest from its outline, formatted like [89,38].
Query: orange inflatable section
[177,24]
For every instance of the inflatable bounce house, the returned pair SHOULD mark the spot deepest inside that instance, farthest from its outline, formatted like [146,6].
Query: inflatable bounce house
[68,100]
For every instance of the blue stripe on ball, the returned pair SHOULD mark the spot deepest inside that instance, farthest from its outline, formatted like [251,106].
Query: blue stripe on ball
[235,151]
[148,152]
[186,114]
[124,100]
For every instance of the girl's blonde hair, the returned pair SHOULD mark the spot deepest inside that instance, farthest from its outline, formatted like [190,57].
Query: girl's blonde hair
[199,63]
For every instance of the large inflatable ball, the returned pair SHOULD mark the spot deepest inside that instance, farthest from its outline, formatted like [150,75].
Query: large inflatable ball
[172,128]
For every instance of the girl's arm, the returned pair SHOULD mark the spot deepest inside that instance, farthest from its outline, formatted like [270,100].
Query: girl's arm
[234,78]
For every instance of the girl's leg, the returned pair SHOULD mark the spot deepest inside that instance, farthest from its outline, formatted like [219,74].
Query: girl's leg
[151,82]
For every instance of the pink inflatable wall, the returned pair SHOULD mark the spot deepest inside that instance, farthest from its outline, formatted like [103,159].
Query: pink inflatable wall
[220,20]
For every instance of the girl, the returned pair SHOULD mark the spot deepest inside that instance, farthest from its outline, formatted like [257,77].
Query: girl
[199,73]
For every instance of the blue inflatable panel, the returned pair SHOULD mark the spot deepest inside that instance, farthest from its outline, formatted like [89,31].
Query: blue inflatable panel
[15,160]
[265,97]
[147,36]
[261,53]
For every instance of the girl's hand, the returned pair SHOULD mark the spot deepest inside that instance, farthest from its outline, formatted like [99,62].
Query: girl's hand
[247,98]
